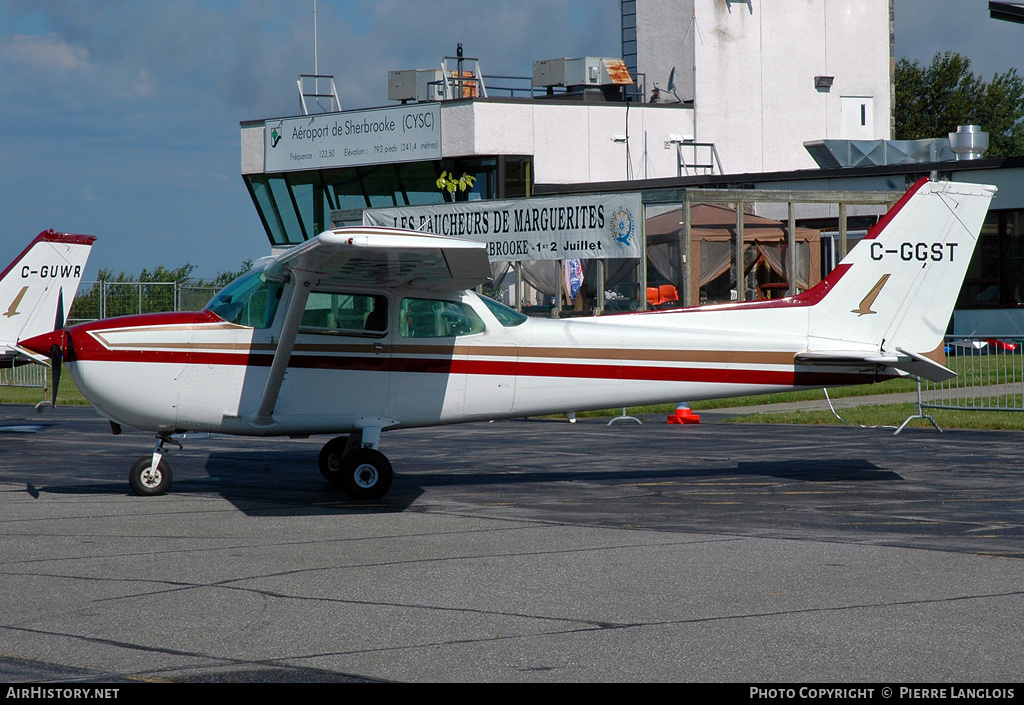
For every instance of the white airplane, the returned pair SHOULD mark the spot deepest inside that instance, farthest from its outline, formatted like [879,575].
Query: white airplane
[362,330]
[36,291]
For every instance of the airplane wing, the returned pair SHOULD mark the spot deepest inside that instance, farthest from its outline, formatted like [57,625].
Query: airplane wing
[366,257]
[387,257]
[903,360]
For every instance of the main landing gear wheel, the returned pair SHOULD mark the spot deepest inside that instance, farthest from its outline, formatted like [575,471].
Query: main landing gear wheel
[330,459]
[147,481]
[366,474]
[363,474]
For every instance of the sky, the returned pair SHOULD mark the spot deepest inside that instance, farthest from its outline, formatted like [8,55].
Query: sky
[120,118]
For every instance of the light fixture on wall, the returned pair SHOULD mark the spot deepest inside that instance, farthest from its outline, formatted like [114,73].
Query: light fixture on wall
[823,83]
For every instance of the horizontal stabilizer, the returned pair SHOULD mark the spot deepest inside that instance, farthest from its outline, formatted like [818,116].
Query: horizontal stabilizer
[909,362]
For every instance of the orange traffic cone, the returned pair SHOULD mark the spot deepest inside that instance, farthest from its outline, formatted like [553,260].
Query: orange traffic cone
[683,415]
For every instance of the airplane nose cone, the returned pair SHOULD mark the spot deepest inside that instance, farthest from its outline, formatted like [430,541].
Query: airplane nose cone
[43,343]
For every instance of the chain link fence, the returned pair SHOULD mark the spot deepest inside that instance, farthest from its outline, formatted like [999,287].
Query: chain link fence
[102,299]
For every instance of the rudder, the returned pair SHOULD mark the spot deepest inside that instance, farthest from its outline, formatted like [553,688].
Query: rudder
[897,287]
[38,287]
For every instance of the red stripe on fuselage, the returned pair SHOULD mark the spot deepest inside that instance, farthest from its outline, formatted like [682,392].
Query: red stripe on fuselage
[789,376]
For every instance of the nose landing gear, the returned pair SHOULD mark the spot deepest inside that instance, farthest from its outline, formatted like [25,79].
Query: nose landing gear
[151,475]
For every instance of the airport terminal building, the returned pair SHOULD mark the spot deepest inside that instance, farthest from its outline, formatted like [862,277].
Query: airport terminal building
[739,162]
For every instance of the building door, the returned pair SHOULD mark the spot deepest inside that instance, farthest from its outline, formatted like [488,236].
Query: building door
[856,121]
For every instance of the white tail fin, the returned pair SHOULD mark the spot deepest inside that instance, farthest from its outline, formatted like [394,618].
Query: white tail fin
[37,288]
[896,290]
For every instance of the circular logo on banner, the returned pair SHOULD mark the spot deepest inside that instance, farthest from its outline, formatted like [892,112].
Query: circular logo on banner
[622,225]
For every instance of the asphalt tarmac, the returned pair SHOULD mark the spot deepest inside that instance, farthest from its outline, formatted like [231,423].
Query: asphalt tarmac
[516,551]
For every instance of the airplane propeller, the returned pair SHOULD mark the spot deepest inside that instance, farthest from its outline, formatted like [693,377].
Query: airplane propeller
[56,361]
[57,351]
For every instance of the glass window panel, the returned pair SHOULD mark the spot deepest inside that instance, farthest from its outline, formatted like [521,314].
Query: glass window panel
[420,182]
[312,200]
[334,312]
[433,318]
[981,285]
[250,300]
[345,189]
[264,201]
[516,177]
[286,210]
[302,191]
[381,186]
[506,316]
[1013,258]
[485,171]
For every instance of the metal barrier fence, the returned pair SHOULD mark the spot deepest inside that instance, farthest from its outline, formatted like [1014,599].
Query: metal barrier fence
[990,375]
[30,375]
[102,299]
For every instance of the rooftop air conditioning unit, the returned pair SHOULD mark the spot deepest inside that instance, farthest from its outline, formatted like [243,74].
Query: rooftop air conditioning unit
[584,72]
[417,85]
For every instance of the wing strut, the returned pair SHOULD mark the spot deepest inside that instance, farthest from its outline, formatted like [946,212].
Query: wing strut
[296,307]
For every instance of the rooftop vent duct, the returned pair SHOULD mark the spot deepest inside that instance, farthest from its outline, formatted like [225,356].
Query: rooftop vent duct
[840,154]
[968,142]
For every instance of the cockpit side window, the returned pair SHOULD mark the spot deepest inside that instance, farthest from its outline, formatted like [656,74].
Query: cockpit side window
[345,314]
[436,318]
[251,300]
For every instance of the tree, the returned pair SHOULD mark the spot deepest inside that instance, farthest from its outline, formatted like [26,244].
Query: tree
[933,101]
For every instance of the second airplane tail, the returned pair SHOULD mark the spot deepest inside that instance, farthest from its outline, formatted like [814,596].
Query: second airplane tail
[38,287]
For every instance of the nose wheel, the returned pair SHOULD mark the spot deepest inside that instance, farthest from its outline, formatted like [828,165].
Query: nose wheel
[362,473]
[151,475]
[147,480]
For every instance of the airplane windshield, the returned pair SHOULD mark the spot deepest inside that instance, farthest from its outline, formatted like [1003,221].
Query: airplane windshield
[251,300]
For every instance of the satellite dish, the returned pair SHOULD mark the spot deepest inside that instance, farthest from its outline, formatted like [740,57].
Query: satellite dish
[669,95]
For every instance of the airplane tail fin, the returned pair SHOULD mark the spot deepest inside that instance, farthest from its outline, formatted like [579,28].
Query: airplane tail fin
[37,289]
[895,291]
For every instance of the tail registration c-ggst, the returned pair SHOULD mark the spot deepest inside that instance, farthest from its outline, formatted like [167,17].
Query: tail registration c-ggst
[364,330]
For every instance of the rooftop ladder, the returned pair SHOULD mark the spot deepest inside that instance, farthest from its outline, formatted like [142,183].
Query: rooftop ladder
[315,88]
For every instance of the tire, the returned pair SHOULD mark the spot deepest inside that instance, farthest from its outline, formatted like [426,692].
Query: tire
[366,474]
[330,459]
[146,484]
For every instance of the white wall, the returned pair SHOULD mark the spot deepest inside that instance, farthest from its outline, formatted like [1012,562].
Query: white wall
[253,144]
[571,142]
[755,66]
[665,36]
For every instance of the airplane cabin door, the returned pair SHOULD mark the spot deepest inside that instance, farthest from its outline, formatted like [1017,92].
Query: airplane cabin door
[339,370]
